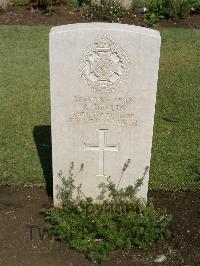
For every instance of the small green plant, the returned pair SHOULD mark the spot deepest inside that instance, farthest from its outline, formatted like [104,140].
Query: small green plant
[105,10]
[116,221]
[152,18]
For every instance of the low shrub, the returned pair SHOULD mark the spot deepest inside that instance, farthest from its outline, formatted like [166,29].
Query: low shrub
[159,9]
[104,10]
[196,6]
[116,221]
[44,5]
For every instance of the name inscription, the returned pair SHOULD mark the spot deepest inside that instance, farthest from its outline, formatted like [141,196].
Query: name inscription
[103,110]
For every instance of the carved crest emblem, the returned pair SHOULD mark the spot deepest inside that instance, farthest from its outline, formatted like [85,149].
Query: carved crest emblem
[104,65]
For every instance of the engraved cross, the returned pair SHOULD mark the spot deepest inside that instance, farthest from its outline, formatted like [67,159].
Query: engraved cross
[101,148]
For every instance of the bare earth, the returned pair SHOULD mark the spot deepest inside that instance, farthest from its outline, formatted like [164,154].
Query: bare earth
[21,15]
[23,242]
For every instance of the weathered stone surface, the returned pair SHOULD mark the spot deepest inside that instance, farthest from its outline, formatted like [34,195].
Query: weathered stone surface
[3,4]
[103,92]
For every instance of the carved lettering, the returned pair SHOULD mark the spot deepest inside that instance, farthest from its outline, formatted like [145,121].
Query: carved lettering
[101,110]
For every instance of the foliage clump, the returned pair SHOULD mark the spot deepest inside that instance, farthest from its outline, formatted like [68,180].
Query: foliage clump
[165,9]
[44,5]
[104,10]
[116,221]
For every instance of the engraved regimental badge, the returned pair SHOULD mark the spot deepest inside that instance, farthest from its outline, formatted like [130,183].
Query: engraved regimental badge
[104,65]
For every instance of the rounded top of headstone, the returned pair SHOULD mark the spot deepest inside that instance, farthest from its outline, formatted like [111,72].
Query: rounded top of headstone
[104,26]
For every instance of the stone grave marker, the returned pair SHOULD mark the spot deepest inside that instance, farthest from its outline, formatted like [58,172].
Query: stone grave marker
[103,80]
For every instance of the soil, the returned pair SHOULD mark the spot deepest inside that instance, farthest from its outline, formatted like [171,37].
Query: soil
[64,14]
[23,242]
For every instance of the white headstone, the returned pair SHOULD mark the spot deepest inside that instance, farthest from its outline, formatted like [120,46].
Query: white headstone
[103,80]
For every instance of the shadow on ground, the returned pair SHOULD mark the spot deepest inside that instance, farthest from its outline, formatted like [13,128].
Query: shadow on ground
[42,137]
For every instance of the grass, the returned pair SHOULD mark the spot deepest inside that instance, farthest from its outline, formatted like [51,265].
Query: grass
[176,149]
[19,2]
[25,108]
[24,85]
